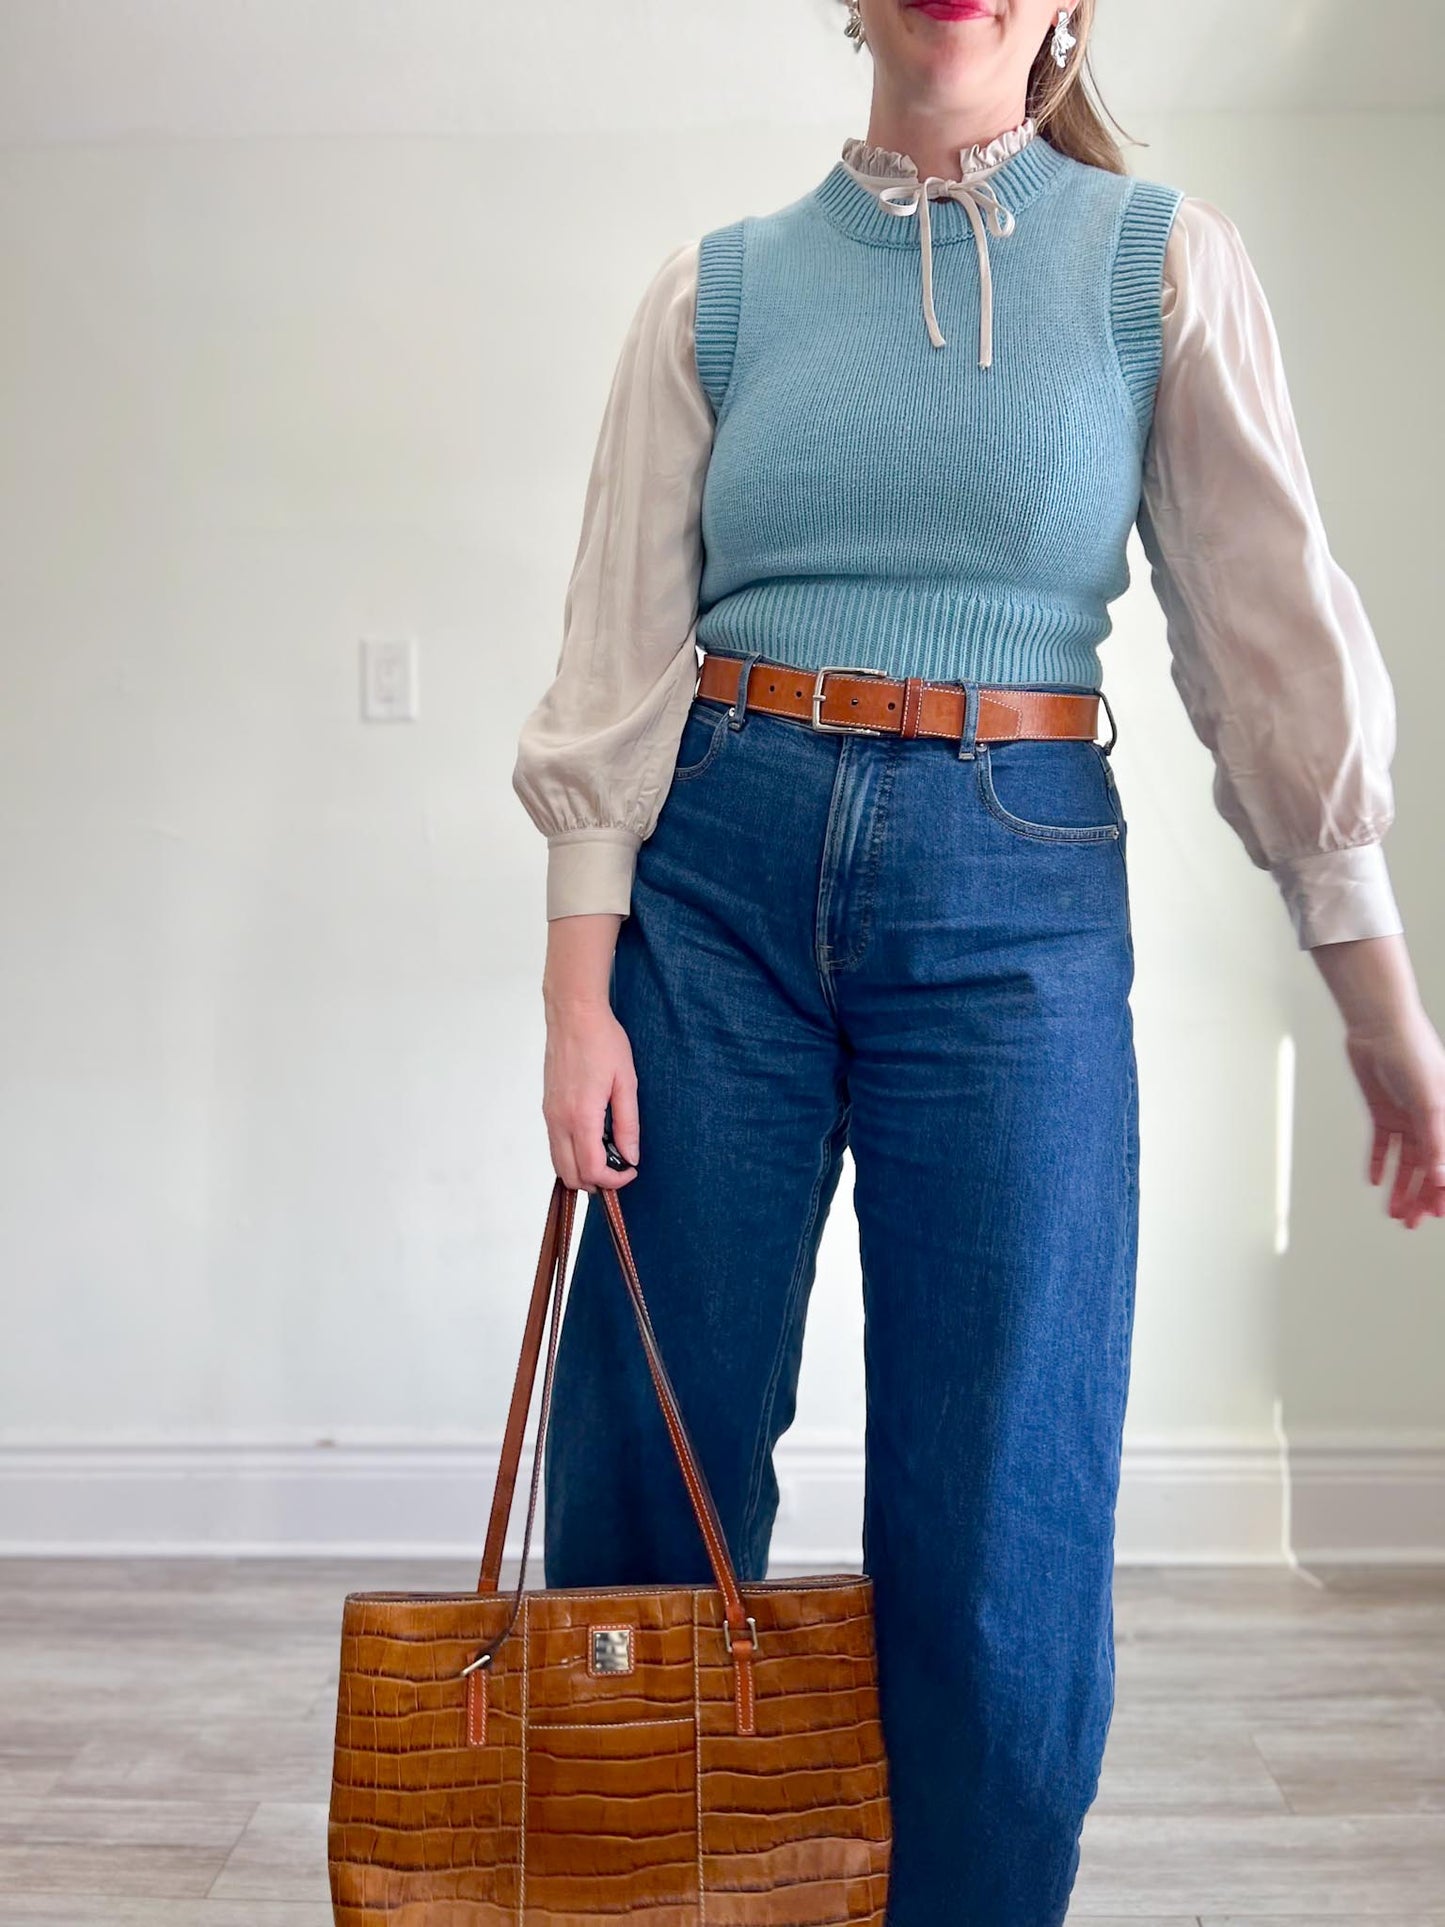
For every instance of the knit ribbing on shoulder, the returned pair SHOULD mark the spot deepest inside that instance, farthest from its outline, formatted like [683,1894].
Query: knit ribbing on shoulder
[1135,291]
[719,303]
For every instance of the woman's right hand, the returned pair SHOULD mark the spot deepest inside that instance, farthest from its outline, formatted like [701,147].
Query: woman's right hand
[588,1063]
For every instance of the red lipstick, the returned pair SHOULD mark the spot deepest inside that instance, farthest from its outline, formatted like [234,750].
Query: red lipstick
[954,9]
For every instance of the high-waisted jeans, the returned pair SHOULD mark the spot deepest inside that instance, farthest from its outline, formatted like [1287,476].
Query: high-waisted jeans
[925,955]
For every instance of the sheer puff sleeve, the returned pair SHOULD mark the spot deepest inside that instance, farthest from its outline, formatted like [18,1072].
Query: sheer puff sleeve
[595,755]
[1271,649]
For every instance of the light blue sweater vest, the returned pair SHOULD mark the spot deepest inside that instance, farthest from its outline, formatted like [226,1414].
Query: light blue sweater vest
[874,500]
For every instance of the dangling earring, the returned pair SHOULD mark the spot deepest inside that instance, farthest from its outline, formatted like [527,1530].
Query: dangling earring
[854,28]
[1063,40]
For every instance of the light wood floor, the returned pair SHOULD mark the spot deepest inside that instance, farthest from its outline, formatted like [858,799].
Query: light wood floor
[1277,1753]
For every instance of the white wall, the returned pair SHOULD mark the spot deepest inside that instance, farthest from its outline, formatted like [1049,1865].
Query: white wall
[274,1167]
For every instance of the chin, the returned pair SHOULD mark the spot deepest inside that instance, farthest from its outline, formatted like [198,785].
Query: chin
[939,57]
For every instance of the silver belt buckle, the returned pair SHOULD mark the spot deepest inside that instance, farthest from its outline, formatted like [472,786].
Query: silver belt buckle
[843,669]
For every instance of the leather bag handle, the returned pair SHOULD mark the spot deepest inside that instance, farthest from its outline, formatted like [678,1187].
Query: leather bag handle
[547,1295]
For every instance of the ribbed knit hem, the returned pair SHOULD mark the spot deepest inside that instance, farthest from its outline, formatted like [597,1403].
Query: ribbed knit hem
[908,632]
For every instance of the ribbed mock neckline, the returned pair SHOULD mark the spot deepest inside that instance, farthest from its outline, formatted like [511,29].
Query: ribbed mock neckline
[854,208]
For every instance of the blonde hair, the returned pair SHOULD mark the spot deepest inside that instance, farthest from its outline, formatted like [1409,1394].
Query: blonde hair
[1063,109]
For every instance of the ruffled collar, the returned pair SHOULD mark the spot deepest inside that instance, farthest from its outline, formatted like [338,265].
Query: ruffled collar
[980,157]
[890,186]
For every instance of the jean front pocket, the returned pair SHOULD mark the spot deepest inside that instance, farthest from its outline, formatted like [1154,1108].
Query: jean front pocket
[1050,789]
[703,735]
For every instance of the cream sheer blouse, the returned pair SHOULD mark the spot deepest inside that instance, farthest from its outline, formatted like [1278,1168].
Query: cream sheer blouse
[1271,649]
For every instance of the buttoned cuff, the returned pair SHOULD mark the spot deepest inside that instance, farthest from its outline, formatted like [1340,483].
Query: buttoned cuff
[1335,896]
[590,871]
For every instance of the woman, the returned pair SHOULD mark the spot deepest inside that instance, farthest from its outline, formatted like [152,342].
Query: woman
[863,882]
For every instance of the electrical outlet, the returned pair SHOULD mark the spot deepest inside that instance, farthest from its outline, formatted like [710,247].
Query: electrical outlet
[389,681]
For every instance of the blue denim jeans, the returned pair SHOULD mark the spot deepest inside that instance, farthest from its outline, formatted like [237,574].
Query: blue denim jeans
[920,950]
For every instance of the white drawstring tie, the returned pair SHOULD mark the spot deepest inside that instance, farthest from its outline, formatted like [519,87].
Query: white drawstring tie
[987,215]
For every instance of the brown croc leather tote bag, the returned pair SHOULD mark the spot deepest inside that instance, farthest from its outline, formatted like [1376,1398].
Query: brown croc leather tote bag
[675,1756]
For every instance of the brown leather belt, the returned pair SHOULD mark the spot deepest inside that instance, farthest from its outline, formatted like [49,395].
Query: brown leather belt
[872,704]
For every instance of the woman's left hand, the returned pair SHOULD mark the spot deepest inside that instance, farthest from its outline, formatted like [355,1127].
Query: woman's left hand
[1401,1071]
[1399,1061]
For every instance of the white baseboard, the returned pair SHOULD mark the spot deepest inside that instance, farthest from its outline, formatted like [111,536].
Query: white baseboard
[1211,1500]
[1358,1497]
[1202,1502]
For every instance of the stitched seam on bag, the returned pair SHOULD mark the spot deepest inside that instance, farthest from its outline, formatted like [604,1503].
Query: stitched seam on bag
[825,1582]
[604,1726]
[697,1767]
[477,1708]
[526,1716]
[591,1598]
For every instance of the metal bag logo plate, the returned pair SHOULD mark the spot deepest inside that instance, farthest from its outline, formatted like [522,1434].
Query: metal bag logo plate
[611,1650]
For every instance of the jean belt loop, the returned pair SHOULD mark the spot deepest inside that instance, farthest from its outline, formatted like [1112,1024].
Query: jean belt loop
[738,713]
[967,742]
[1113,726]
